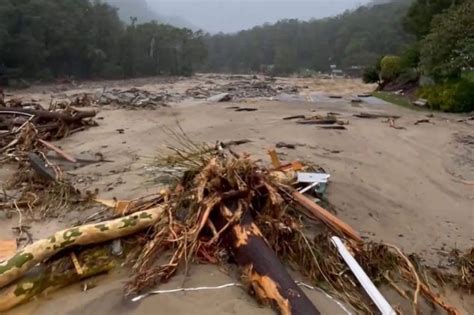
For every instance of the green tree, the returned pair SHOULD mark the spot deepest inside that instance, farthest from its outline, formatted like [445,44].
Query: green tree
[421,13]
[449,47]
[391,67]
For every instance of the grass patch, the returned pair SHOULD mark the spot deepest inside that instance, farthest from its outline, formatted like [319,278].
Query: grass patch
[395,99]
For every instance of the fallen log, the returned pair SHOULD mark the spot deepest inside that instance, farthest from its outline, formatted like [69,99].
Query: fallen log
[317,122]
[336,224]
[45,114]
[25,259]
[333,127]
[375,116]
[56,275]
[264,271]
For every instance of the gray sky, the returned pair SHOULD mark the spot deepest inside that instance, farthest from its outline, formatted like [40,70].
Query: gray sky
[235,15]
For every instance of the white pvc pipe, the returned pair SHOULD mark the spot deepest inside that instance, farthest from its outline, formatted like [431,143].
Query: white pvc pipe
[369,287]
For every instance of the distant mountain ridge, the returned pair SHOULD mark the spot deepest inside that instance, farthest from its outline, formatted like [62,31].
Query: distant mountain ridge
[144,13]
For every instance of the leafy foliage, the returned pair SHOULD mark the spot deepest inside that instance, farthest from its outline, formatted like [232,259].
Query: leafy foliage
[370,75]
[421,13]
[453,96]
[391,67]
[449,47]
[55,38]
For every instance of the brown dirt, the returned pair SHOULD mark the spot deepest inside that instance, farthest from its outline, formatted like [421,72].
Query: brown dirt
[405,187]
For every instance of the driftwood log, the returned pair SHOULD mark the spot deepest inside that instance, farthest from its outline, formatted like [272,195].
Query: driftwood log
[264,271]
[45,114]
[25,259]
[56,275]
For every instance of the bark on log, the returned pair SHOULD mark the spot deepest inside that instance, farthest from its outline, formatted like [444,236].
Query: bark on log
[266,274]
[25,259]
[53,115]
[56,275]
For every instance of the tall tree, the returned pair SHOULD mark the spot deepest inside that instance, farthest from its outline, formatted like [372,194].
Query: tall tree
[449,47]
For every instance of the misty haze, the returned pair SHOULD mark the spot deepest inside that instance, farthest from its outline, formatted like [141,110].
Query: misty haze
[234,15]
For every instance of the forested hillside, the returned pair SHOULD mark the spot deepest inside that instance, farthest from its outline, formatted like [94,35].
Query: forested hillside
[355,38]
[48,39]
[440,64]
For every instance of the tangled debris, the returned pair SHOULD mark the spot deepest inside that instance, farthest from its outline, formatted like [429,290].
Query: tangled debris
[25,132]
[133,98]
[241,89]
[228,208]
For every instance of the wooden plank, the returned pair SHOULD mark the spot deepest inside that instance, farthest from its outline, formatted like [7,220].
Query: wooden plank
[330,219]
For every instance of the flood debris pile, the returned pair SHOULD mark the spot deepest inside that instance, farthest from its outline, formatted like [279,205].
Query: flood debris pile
[239,90]
[22,124]
[133,98]
[227,209]
[25,132]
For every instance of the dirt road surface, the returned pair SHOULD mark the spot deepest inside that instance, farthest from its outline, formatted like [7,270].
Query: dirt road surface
[411,187]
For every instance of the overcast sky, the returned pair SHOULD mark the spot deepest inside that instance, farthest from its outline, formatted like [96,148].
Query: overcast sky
[235,15]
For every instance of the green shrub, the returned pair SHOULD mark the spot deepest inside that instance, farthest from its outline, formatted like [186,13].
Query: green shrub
[370,75]
[391,67]
[408,76]
[454,96]
[410,57]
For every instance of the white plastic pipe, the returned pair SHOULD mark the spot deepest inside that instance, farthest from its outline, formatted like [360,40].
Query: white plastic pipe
[369,287]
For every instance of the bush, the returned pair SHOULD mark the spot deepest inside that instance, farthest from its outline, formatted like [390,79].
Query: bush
[410,57]
[454,96]
[370,75]
[408,76]
[391,67]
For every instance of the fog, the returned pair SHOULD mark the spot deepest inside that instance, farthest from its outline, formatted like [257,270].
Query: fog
[234,15]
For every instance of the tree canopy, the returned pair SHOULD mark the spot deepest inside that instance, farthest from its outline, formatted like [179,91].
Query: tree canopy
[449,46]
[54,38]
[421,13]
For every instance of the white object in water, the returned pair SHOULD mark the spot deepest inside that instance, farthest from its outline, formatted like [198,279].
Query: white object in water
[379,300]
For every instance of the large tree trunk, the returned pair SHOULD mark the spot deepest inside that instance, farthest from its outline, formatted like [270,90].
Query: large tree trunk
[57,274]
[25,259]
[266,274]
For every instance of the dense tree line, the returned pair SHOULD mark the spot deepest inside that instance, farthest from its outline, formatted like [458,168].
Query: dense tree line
[54,38]
[355,38]
[441,61]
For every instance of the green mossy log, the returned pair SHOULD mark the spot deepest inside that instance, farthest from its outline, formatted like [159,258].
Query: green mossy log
[57,274]
[13,268]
